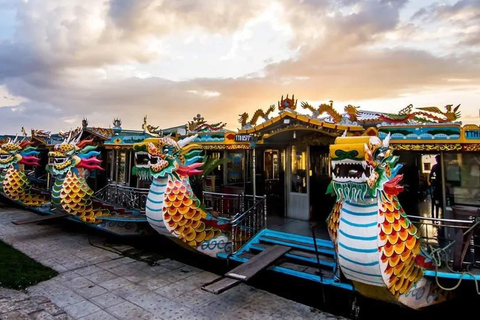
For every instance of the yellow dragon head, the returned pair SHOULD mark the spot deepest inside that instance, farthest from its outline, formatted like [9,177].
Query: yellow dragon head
[163,157]
[363,166]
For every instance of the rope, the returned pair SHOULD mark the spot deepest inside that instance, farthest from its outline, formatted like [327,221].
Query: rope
[436,255]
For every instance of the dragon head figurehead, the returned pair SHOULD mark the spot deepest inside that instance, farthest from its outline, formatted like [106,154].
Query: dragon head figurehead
[73,153]
[14,152]
[165,157]
[364,166]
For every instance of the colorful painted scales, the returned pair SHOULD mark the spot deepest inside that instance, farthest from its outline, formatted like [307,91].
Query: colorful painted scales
[14,183]
[70,190]
[172,208]
[378,248]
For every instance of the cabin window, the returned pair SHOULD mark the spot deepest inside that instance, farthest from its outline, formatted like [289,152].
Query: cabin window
[299,165]
[235,167]
[462,178]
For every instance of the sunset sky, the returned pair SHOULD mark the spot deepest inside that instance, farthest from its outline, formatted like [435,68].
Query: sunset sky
[61,61]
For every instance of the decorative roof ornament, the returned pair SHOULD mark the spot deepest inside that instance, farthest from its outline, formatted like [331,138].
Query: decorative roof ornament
[70,133]
[117,122]
[151,130]
[117,125]
[287,104]
[200,125]
[84,123]
[449,115]
[41,134]
[323,108]
[259,113]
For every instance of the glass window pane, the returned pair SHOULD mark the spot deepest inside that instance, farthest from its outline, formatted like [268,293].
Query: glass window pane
[299,166]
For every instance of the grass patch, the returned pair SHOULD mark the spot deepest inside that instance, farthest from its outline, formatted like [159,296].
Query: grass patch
[18,271]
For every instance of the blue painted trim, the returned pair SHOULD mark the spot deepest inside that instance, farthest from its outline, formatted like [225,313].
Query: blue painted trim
[357,237]
[364,280]
[453,275]
[294,245]
[298,257]
[357,249]
[363,273]
[370,213]
[155,192]
[113,218]
[374,263]
[155,201]
[358,205]
[157,220]
[298,238]
[154,210]
[158,185]
[360,225]
[303,275]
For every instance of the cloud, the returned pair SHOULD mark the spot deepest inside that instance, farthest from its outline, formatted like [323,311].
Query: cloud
[108,59]
[462,18]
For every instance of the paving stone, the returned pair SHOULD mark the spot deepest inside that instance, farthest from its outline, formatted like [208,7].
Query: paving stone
[150,301]
[88,270]
[63,316]
[52,308]
[171,264]
[130,290]
[83,308]
[123,270]
[78,283]
[66,298]
[128,311]
[154,284]
[107,300]
[91,291]
[115,263]
[174,290]
[41,315]
[39,299]
[99,315]
[197,298]
[138,276]
[14,315]
[101,276]
[114,284]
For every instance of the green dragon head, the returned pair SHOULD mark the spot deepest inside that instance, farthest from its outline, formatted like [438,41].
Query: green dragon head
[163,157]
[72,154]
[15,152]
[363,166]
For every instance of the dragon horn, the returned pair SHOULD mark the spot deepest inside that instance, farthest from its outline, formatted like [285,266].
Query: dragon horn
[77,140]
[187,140]
[386,142]
[16,138]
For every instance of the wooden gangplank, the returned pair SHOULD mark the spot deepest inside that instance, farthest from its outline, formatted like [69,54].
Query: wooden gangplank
[247,270]
[41,218]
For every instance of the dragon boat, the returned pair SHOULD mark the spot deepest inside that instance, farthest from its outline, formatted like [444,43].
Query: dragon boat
[373,235]
[339,200]
[62,191]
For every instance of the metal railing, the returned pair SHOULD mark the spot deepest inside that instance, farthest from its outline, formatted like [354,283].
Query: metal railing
[127,197]
[247,224]
[224,205]
[247,214]
[451,243]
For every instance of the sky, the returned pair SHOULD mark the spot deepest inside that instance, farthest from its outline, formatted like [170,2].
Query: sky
[62,61]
